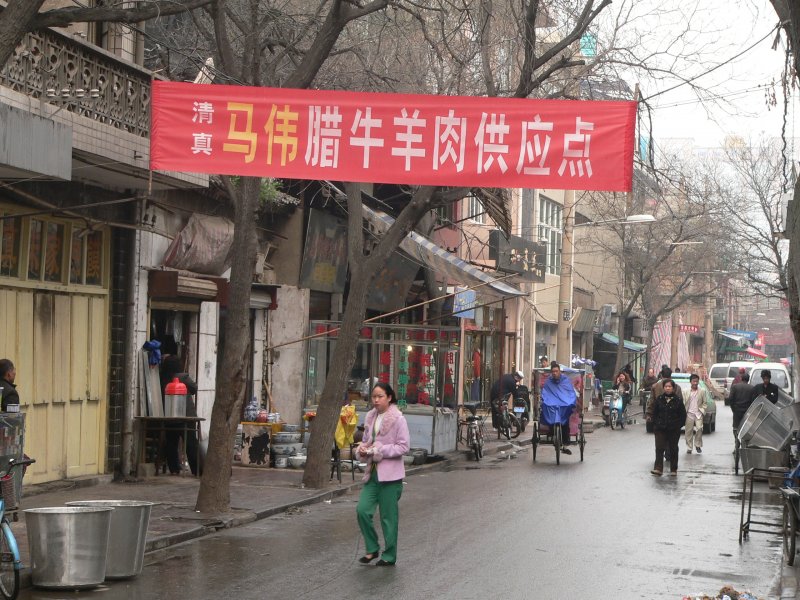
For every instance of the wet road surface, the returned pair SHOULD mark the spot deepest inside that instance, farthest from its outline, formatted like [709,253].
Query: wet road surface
[504,528]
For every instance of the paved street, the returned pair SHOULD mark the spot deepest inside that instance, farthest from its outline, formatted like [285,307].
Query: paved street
[508,528]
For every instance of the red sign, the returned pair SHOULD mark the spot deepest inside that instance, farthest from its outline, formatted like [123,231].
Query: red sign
[392,138]
[689,328]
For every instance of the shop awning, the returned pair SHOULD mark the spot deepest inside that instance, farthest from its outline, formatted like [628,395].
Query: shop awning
[584,319]
[424,251]
[736,338]
[627,344]
[756,353]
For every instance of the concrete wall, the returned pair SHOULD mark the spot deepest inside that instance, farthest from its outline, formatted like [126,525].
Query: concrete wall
[287,324]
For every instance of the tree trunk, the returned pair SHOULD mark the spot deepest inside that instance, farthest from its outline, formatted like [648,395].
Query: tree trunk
[621,342]
[214,494]
[15,22]
[362,272]
[317,471]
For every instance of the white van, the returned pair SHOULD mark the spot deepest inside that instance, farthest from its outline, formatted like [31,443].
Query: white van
[719,375]
[778,372]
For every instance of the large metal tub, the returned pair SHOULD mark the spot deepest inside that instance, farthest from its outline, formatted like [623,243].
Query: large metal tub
[763,458]
[68,545]
[129,521]
[790,414]
[765,426]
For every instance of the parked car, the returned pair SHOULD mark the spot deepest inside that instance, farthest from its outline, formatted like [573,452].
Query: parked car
[719,375]
[710,418]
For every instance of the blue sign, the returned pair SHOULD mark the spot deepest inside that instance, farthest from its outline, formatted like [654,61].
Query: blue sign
[464,304]
[589,45]
[750,335]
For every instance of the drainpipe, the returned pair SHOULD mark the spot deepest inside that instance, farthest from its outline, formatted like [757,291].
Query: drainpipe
[131,349]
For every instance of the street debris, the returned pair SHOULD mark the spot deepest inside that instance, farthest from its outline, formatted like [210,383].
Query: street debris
[726,593]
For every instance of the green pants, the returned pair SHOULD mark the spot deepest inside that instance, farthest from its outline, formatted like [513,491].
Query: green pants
[384,496]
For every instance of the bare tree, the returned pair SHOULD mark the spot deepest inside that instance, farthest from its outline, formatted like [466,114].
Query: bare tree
[19,17]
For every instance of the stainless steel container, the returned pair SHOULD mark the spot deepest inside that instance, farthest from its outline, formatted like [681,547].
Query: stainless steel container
[129,521]
[68,545]
[763,458]
[175,405]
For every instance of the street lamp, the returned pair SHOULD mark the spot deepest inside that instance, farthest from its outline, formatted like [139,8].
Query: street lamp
[564,334]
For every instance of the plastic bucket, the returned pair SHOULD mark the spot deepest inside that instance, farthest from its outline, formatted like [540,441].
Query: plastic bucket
[129,521]
[68,545]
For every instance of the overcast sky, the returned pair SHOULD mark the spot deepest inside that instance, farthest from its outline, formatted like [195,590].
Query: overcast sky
[742,83]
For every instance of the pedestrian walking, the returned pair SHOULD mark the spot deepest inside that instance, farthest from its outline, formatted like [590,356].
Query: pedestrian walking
[386,440]
[10,396]
[668,415]
[740,399]
[695,402]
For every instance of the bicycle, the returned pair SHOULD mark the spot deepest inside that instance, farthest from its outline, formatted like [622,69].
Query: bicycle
[791,506]
[10,563]
[474,430]
[510,425]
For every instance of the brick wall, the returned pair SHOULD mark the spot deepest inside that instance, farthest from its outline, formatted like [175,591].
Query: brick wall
[120,270]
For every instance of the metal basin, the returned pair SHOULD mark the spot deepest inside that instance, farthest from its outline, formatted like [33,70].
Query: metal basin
[68,545]
[129,521]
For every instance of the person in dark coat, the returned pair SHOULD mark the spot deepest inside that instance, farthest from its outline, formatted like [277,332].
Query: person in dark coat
[171,367]
[766,387]
[669,415]
[10,397]
[740,399]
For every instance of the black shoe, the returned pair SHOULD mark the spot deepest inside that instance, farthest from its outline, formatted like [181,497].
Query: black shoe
[383,563]
[368,558]
[566,451]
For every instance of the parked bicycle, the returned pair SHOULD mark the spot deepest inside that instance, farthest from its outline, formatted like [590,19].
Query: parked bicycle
[10,563]
[474,430]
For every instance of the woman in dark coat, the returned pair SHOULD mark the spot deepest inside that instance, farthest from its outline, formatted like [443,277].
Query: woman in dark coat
[668,416]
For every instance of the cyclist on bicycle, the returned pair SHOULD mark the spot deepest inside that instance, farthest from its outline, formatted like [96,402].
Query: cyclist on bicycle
[740,399]
[500,388]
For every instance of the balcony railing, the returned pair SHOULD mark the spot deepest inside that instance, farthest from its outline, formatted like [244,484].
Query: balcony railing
[56,68]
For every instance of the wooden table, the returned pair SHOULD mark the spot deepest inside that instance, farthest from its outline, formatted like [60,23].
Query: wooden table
[157,427]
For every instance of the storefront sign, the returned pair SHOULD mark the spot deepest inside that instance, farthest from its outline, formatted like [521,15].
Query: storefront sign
[749,335]
[325,256]
[518,255]
[688,328]
[392,138]
[464,304]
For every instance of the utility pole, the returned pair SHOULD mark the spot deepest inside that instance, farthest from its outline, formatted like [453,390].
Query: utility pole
[564,333]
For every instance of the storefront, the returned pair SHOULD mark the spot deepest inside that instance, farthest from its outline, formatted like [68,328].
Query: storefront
[421,364]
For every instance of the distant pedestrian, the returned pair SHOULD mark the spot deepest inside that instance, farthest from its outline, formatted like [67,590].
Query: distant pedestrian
[766,387]
[738,378]
[669,414]
[740,399]
[629,372]
[386,440]
[649,379]
[10,397]
[695,402]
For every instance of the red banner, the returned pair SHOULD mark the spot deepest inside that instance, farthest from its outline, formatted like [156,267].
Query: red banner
[689,328]
[392,138]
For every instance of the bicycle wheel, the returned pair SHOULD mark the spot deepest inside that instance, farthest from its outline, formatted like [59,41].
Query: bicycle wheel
[516,426]
[789,532]
[9,564]
[557,442]
[505,425]
[535,439]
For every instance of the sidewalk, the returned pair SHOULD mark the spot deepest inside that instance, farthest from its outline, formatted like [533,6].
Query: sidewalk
[256,493]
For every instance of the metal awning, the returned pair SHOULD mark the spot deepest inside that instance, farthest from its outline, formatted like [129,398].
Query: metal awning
[584,319]
[627,344]
[736,338]
[440,260]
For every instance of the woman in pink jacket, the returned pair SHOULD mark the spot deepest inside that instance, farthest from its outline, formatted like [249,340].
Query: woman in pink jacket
[386,440]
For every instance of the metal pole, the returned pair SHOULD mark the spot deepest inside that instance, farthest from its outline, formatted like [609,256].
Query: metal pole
[564,334]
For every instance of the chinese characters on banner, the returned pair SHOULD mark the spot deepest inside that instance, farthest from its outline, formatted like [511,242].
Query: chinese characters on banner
[392,138]
[688,328]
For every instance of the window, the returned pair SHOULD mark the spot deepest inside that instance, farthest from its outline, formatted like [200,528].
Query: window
[444,214]
[550,232]
[55,251]
[475,210]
